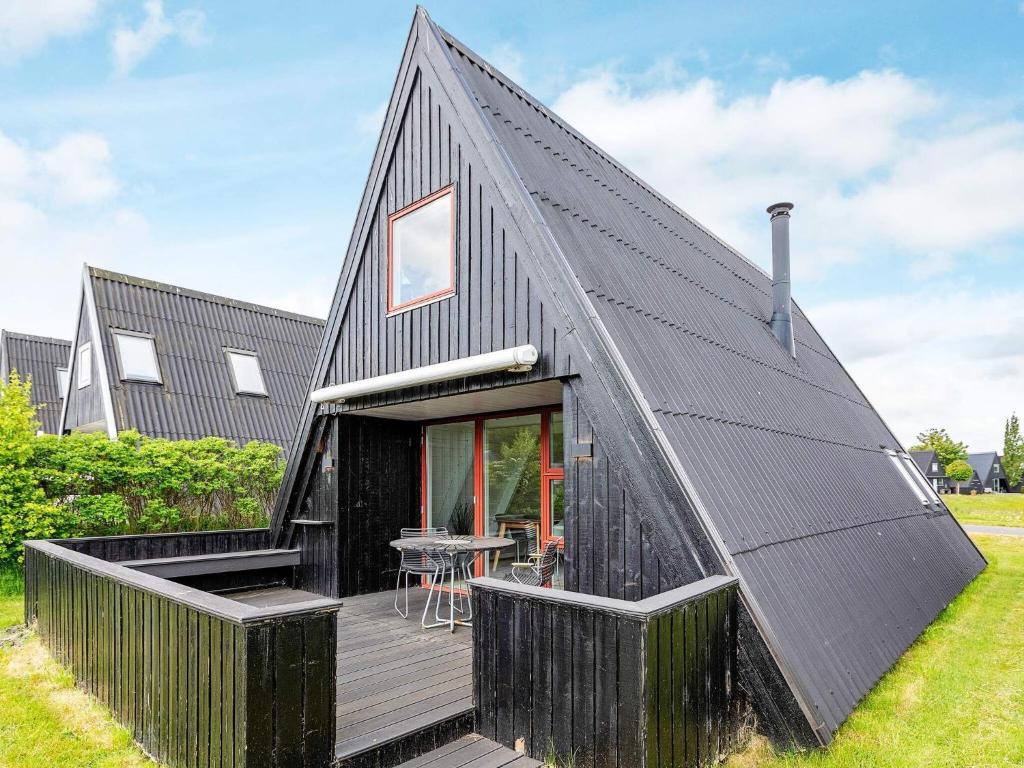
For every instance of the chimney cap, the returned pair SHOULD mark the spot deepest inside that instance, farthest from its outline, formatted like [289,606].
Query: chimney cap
[780,209]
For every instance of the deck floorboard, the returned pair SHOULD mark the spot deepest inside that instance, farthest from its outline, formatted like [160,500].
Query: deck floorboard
[394,678]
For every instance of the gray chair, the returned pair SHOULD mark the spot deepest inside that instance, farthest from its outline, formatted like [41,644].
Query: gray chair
[540,570]
[419,563]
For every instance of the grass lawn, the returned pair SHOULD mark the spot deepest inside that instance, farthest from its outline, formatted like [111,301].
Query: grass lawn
[956,698]
[45,722]
[988,509]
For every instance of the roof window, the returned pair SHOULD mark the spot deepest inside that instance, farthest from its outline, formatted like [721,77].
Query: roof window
[136,357]
[246,373]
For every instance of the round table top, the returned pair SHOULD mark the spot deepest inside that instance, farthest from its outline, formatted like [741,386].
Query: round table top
[452,544]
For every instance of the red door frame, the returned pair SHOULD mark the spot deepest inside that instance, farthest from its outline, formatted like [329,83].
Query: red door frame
[547,472]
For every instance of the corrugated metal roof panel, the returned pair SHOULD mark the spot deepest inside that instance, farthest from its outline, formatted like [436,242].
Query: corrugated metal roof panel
[786,455]
[191,331]
[38,357]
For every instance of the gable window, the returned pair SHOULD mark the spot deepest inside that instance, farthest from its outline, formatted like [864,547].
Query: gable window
[84,365]
[245,372]
[421,251]
[935,466]
[62,381]
[136,357]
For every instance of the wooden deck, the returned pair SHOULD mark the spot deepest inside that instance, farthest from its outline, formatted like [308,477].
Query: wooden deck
[400,687]
[395,680]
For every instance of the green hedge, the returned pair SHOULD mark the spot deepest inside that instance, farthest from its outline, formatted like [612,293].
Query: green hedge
[89,485]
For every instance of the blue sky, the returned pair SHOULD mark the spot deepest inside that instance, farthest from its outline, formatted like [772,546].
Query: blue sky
[224,146]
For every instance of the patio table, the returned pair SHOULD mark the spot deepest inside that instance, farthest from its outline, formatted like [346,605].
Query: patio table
[452,546]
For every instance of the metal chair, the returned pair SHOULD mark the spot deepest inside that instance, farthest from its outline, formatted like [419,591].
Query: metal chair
[539,571]
[419,563]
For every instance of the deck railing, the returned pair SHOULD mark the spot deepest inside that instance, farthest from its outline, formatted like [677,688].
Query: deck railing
[606,682]
[201,681]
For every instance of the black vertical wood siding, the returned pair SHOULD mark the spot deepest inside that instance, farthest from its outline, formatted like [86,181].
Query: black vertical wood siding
[496,303]
[378,495]
[608,548]
[364,482]
[194,687]
[609,682]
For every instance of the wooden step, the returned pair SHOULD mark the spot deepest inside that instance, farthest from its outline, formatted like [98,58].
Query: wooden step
[472,751]
[225,562]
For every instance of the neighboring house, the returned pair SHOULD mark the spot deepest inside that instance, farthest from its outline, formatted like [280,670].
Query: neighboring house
[988,470]
[176,363]
[928,463]
[46,361]
[510,291]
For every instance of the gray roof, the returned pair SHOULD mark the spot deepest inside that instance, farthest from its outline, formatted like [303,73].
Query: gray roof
[38,357]
[191,330]
[833,548]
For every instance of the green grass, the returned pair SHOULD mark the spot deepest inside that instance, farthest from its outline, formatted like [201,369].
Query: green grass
[956,698]
[45,721]
[988,509]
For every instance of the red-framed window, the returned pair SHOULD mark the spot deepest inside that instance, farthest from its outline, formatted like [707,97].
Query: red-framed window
[475,481]
[421,251]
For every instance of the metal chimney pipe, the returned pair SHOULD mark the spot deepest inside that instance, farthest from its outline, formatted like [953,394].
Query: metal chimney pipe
[782,312]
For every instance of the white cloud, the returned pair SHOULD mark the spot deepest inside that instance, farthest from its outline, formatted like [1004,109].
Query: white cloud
[131,46]
[58,208]
[882,169]
[27,25]
[949,357]
[509,61]
[848,151]
[79,170]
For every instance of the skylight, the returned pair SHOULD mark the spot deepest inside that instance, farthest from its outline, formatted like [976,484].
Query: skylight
[913,478]
[62,381]
[246,373]
[421,251]
[136,356]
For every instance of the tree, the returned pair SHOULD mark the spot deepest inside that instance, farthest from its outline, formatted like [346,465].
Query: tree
[946,448]
[1013,451]
[960,471]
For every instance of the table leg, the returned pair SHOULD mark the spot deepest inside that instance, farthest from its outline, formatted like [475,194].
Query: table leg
[502,530]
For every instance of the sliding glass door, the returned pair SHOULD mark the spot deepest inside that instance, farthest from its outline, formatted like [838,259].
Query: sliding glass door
[498,476]
[512,487]
[450,476]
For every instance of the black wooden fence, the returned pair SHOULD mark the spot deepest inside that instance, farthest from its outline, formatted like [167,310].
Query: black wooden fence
[153,545]
[199,680]
[606,682]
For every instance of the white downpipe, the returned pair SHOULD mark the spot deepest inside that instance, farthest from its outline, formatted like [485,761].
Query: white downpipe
[515,359]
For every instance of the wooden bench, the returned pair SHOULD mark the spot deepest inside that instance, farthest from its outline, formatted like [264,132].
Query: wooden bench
[227,562]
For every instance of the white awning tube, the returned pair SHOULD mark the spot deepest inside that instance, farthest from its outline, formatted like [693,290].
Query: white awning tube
[515,359]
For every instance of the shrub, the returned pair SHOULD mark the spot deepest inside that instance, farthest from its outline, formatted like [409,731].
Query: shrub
[88,485]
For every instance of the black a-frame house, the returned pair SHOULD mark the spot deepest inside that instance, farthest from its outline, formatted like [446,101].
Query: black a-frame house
[689,510]
[694,443]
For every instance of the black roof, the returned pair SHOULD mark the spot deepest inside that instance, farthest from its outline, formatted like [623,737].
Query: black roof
[191,331]
[785,456]
[783,459]
[982,462]
[38,357]
[924,461]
